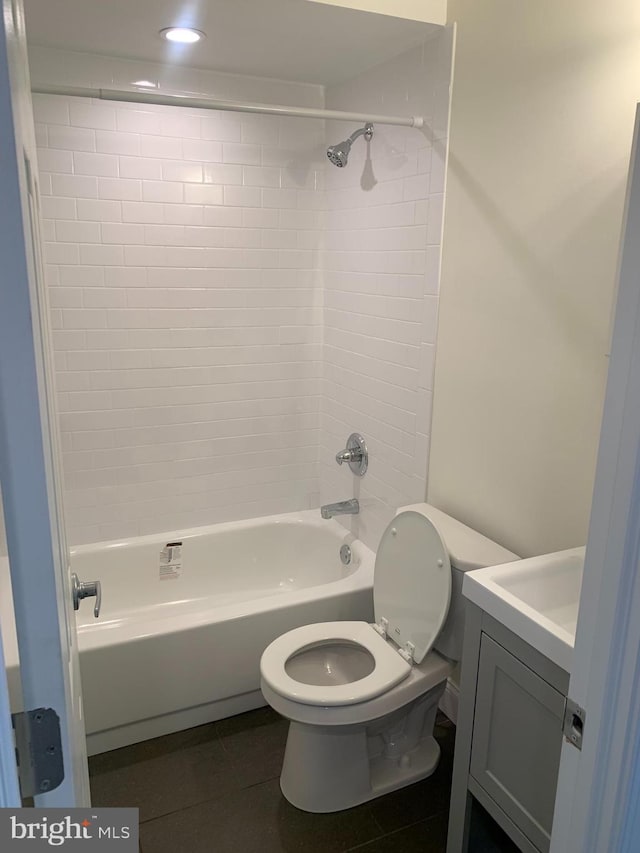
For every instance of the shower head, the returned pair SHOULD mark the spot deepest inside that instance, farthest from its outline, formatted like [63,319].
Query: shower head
[339,154]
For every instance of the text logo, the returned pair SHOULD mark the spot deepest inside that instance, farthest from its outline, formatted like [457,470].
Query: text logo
[69,829]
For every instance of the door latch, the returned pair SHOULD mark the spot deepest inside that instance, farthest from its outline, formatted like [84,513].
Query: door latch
[574,720]
[82,590]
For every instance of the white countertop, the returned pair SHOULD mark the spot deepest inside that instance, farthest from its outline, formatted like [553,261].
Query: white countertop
[536,598]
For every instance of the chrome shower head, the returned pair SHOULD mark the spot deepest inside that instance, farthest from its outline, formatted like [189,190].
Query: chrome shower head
[339,154]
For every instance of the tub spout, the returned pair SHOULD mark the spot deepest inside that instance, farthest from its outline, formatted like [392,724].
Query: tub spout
[350,507]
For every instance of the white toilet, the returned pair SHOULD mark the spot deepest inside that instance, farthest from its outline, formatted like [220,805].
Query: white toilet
[361,698]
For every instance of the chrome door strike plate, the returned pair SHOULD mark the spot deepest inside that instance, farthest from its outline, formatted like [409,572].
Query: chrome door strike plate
[574,720]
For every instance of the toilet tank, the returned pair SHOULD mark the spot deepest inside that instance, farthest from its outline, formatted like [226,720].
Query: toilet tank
[468,550]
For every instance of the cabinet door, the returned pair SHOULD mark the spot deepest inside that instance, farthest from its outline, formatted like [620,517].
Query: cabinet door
[517,737]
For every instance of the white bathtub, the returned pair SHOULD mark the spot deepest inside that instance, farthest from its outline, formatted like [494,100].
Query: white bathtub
[173,652]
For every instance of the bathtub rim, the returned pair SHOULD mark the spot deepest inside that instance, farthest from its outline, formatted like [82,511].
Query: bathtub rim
[126,630]
[305,517]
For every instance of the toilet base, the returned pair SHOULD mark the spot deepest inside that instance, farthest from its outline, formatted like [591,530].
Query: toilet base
[331,768]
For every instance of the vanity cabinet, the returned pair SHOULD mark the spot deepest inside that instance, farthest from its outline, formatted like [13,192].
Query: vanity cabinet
[509,736]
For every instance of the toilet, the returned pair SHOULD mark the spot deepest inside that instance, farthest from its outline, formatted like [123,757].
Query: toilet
[362,698]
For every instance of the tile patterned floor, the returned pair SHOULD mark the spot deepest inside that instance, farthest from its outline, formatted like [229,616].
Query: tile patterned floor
[215,788]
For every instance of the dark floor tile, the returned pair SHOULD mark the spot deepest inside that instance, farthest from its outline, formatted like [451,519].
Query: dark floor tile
[417,802]
[166,781]
[216,788]
[427,836]
[486,836]
[423,799]
[257,820]
[255,719]
[255,743]
[153,748]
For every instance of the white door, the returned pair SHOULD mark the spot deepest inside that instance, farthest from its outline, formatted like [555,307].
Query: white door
[598,787]
[29,458]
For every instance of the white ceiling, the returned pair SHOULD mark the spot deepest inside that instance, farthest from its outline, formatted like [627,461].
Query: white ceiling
[285,39]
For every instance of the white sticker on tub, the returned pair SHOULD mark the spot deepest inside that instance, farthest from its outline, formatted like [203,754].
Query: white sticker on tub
[171,561]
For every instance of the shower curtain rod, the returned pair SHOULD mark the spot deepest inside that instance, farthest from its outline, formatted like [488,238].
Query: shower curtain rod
[138,97]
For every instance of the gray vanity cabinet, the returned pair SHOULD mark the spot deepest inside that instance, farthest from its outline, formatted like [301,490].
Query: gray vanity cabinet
[509,736]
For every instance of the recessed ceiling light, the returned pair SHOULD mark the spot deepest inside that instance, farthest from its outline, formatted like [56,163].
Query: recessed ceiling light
[147,84]
[182,35]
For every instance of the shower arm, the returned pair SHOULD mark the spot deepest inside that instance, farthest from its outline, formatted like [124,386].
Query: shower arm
[366,131]
[145,97]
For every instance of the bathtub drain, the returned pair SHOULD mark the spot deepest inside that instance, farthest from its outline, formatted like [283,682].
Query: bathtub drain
[345,554]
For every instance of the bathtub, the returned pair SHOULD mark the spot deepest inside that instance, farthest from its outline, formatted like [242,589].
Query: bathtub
[186,616]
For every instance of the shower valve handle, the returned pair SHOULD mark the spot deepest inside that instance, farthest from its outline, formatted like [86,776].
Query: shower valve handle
[355,454]
[82,590]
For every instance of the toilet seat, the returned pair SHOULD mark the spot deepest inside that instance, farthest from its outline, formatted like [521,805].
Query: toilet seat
[390,668]
[411,594]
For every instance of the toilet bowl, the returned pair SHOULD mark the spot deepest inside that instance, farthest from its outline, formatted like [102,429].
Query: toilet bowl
[362,698]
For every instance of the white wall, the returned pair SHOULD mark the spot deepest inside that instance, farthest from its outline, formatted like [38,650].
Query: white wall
[381,278]
[181,250]
[543,103]
[431,11]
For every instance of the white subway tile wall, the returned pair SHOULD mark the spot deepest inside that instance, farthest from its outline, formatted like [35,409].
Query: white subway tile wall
[381,275]
[198,320]
[185,304]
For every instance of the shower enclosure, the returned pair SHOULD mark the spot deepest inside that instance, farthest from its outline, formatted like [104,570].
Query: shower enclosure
[226,306]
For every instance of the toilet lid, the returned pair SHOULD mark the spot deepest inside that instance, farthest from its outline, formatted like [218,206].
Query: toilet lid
[412,582]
